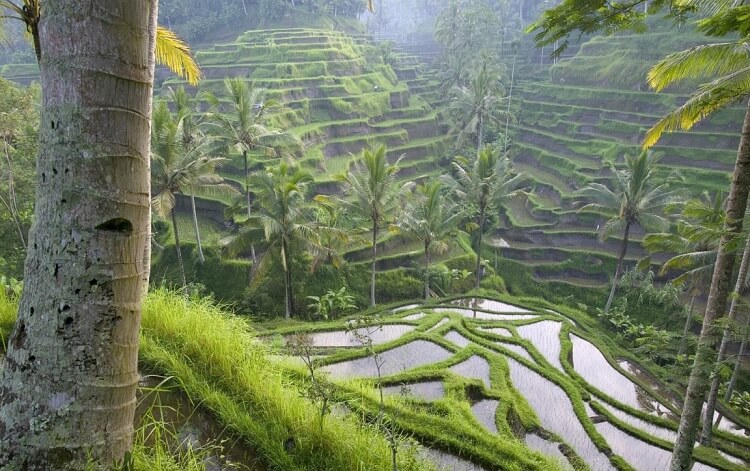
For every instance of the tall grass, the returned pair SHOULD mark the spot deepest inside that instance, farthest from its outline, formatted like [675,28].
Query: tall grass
[8,308]
[221,363]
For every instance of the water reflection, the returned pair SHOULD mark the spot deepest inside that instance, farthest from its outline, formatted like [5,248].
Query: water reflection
[517,349]
[589,362]
[484,411]
[487,305]
[414,317]
[649,428]
[427,390]
[546,447]
[448,462]
[344,338]
[484,315]
[641,455]
[474,367]
[545,336]
[396,360]
[555,413]
[457,339]
[501,331]
[405,308]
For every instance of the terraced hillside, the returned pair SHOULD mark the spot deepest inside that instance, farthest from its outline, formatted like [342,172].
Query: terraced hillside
[589,112]
[339,96]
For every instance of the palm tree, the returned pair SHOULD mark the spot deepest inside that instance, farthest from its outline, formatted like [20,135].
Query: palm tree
[186,109]
[376,195]
[695,241]
[333,223]
[93,155]
[171,51]
[244,124]
[283,218]
[431,218]
[485,183]
[726,66]
[477,105]
[635,199]
[180,169]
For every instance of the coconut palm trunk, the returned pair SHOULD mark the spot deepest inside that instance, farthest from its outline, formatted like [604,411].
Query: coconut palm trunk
[618,270]
[67,391]
[686,329]
[713,395]
[372,267]
[426,270]
[181,265]
[287,280]
[715,308]
[249,201]
[737,364]
[197,230]
[478,272]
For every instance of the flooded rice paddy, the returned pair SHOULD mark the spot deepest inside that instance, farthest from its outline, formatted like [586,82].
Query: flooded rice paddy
[353,338]
[549,401]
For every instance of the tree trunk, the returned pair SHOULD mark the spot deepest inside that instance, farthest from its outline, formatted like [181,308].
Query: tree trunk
[480,133]
[713,394]
[249,202]
[179,251]
[67,392]
[479,248]
[287,281]
[686,329]
[197,230]
[510,96]
[716,306]
[737,363]
[618,270]
[372,268]
[426,270]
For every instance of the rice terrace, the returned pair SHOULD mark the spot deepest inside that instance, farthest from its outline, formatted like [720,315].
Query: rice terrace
[357,235]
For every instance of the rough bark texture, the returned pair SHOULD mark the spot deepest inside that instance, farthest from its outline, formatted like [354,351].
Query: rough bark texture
[478,275]
[427,270]
[197,230]
[618,270]
[686,329]
[67,392]
[737,364]
[178,248]
[713,395]
[715,308]
[374,258]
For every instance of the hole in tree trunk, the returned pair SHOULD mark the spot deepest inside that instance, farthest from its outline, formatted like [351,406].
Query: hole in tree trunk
[116,225]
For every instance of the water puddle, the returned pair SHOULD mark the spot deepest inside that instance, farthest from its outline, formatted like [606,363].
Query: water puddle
[488,305]
[474,367]
[448,462]
[733,459]
[484,315]
[428,390]
[646,378]
[641,455]
[589,362]
[343,338]
[442,322]
[414,317]
[545,336]
[195,426]
[546,447]
[501,331]
[396,360]
[555,413]
[484,411]
[405,308]
[727,425]
[457,339]
[645,426]
[517,349]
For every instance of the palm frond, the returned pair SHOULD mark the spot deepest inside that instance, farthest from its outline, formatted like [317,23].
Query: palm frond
[706,60]
[175,54]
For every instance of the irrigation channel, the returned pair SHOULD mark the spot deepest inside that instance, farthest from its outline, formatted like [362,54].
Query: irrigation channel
[582,406]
